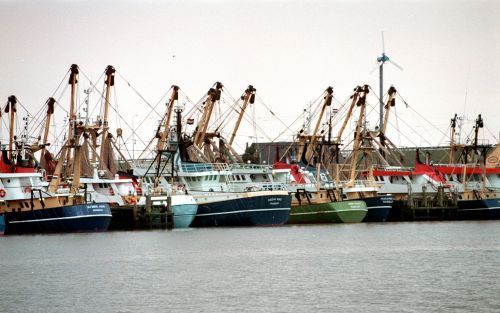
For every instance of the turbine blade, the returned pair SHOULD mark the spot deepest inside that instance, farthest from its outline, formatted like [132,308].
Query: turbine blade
[375,68]
[383,42]
[396,65]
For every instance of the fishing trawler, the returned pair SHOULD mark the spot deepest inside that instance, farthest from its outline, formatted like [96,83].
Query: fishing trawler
[224,198]
[29,204]
[476,177]
[316,198]
[315,201]
[351,175]
[158,193]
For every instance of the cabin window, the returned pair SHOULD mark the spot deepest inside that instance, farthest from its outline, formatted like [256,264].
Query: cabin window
[8,180]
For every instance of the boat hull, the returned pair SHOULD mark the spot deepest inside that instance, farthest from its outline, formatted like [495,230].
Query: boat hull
[260,208]
[350,211]
[89,217]
[485,209]
[378,208]
[2,224]
[184,210]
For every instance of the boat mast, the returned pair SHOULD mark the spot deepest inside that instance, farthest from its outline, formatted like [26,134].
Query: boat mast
[50,110]
[110,81]
[354,98]
[65,154]
[391,101]
[248,97]
[11,107]
[327,101]
[213,95]
[479,124]
[358,133]
[452,139]
[73,80]
[170,107]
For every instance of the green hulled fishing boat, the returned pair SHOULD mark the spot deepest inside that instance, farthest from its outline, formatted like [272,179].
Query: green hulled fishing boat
[332,212]
[316,207]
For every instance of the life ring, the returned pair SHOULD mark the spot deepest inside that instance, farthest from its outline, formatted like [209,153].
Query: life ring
[2,193]
[131,200]
[492,159]
[27,190]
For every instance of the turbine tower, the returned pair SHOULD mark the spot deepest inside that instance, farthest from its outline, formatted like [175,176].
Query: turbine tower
[381,61]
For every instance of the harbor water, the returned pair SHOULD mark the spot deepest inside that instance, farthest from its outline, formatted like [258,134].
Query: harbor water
[389,267]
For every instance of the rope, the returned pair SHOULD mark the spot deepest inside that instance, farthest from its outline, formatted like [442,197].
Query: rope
[420,115]
[138,94]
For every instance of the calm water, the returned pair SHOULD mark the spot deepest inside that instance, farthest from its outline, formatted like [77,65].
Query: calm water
[404,267]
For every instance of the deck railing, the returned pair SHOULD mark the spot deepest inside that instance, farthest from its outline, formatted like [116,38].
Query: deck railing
[203,167]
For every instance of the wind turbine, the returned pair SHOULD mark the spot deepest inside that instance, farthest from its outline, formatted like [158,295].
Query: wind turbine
[381,61]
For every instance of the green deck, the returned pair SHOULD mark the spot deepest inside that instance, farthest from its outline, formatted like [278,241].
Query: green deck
[353,211]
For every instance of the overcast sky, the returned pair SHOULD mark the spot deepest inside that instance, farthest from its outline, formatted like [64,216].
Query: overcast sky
[289,50]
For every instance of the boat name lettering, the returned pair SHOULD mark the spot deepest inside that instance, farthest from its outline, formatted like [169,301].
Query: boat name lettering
[274,200]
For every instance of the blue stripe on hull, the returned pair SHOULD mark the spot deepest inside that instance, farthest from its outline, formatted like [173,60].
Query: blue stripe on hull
[2,224]
[184,215]
[486,209]
[266,210]
[378,207]
[72,218]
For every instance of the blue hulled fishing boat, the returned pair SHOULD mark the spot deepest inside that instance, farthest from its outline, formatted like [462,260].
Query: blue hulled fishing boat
[31,204]
[88,217]
[261,208]
[228,199]
[479,209]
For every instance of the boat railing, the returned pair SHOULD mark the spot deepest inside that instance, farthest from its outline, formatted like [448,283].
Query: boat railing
[460,165]
[245,166]
[265,186]
[203,167]
[307,187]
[392,168]
[360,184]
